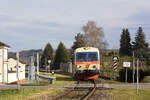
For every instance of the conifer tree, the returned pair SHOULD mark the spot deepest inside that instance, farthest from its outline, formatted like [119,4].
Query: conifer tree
[141,47]
[128,44]
[125,45]
[47,55]
[79,41]
[61,55]
[122,43]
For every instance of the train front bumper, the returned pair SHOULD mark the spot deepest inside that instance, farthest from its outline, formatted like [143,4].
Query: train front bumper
[87,74]
[88,71]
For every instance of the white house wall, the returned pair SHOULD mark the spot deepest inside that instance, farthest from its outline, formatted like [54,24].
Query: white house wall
[0,78]
[12,77]
[23,72]
[5,54]
[5,73]
[5,65]
[12,65]
[9,65]
[1,64]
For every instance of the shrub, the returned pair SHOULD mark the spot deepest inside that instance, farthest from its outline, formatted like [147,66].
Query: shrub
[146,79]
[122,74]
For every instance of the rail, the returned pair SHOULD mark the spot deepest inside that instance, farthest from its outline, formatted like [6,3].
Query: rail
[91,91]
[77,89]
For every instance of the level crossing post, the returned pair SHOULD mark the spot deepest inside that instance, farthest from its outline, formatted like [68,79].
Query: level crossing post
[115,65]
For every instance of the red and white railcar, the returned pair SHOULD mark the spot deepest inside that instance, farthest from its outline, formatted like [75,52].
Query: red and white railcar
[87,63]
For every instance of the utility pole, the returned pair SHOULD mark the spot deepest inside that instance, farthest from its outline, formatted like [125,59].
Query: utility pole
[37,66]
[17,71]
[45,64]
[137,83]
[133,70]
[126,75]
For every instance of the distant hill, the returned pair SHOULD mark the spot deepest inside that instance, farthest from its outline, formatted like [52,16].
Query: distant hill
[26,54]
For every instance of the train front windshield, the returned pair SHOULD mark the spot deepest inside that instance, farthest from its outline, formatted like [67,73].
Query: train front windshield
[86,56]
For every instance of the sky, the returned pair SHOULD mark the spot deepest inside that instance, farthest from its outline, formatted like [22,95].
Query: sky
[31,24]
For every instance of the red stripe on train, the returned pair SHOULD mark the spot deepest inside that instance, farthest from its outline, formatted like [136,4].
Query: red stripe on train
[89,62]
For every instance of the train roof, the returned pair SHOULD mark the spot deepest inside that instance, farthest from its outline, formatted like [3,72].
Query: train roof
[87,49]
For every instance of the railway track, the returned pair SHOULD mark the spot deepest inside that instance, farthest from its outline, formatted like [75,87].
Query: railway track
[78,93]
[91,92]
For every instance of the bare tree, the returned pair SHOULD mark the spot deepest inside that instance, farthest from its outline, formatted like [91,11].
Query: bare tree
[94,36]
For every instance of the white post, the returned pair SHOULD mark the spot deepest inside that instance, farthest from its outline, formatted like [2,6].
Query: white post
[49,62]
[17,66]
[137,84]
[45,64]
[37,66]
[32,68]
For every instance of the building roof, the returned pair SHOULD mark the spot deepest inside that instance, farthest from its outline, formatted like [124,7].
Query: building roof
[3,44]
[19,60]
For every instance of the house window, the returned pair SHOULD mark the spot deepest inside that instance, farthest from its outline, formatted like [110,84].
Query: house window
[16,66]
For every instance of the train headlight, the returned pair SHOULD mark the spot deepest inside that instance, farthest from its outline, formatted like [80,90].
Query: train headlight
[78,66]
[94,66]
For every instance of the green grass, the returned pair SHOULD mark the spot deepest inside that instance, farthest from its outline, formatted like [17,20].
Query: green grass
[113,82]
[27,93]
[60,80]
[130,94]
[18,94]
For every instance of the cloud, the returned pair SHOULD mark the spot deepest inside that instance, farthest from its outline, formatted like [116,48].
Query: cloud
[42,21]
